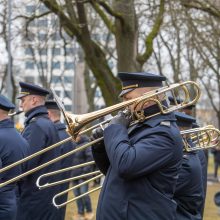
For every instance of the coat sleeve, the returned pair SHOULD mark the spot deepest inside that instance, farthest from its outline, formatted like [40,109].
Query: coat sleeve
[101,158]
[149,154]
[37,141]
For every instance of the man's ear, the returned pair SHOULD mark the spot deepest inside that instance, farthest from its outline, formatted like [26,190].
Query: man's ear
[49,114]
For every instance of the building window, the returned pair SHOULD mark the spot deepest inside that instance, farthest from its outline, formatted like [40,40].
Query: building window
[56,37]
[29,51]
[56,65]
[68,65]
[68,94]
[69,51]
[42,65]
[42,22]
[43,9]
[68,107]
[68,79]
[66,36]
[96,37]
[56,51]
[30,36]
[29,65]
[58,92]
[30,8]
[56,79]
[42,37]
[53,22]
[43,51]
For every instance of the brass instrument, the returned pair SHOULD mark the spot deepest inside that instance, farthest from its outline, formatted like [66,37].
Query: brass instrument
[46,185]
[203,138]
[15,113]
[190,91]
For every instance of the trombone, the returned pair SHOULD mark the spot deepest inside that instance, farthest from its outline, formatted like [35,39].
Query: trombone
[76,122]
[203,138]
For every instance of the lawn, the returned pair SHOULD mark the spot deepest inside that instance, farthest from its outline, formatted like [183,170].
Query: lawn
[211,211]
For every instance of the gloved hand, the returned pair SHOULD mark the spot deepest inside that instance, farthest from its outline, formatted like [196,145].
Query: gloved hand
[121,118]
[97,133]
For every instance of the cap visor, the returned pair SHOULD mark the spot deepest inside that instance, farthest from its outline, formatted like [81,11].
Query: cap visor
[21,95]
[123,92]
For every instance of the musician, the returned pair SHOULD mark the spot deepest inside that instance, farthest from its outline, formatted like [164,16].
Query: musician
[202,154]
[12,148]
[55,115]
[189,193]
[141,163]
[40,132]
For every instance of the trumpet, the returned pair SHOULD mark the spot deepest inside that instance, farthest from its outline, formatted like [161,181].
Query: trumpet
[202,138]
[190,91]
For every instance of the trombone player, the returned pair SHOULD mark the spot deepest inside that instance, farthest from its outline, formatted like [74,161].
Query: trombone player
[189,193]
[141,163]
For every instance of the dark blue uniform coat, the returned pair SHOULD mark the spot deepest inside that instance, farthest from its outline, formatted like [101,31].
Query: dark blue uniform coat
[141,170]
[203,162]
[67,162]
[12,148]
[40,132]
[189,193]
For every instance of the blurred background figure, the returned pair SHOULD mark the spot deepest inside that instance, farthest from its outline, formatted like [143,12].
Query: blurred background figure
[84,205]
[13,147]
[55,115]
[189,192]
[216,154]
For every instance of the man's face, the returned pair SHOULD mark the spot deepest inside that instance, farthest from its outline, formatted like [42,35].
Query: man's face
[27,103]
[134,94]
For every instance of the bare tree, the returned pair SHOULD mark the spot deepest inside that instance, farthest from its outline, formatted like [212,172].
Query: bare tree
[211,7]
[119,18]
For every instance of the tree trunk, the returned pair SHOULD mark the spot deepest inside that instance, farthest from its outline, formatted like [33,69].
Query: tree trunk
[126,34]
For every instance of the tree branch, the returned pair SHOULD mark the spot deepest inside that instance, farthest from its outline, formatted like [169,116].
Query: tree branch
[152,35]
[109,10]
[70,27]
[203,6]
[31,18]
[109,24]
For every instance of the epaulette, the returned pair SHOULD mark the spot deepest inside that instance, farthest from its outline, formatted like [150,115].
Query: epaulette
[185,156]
[165,123]
[33,119]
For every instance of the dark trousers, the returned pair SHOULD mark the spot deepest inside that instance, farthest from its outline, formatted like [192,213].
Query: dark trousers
[216,169]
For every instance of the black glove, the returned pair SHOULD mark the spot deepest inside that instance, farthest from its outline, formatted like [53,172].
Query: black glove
[97,133]
[121,118]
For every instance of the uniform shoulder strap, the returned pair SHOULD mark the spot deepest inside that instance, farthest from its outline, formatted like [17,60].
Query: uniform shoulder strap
[165,123]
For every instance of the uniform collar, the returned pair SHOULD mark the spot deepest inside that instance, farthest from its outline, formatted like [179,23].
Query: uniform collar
[7,123]
[39,110]
[155,120]
[60,126]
